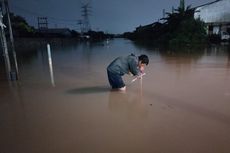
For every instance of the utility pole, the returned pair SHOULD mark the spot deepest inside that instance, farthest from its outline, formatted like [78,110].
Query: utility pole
[163,13]
[173,9]
[42,23]
[4,43]
[182,6]
[11,36]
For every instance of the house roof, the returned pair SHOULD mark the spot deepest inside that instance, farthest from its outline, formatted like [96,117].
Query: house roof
[214,12]
[207,4]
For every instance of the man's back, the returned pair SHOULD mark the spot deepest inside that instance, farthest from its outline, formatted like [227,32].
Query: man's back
[124,65]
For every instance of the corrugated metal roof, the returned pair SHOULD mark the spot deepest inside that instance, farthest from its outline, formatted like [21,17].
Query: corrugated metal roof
[207,4]
[217,11]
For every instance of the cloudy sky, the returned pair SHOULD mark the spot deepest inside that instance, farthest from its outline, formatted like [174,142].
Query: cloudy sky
[112,16]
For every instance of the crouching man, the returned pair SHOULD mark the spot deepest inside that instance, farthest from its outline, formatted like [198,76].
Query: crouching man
[125,65]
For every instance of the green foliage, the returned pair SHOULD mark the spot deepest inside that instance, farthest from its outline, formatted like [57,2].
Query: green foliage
[182,28]
[19,25]
[189,31]
[179,27]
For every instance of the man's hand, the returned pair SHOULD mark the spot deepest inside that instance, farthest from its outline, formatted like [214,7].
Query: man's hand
[130,73]
[138,77]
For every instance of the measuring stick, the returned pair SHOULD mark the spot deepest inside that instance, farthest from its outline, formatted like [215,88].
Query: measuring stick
[138,77]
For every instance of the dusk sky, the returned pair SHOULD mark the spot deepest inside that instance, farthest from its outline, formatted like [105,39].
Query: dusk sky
[112,16]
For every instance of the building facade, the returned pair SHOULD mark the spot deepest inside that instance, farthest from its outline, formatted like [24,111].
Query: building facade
[216,16]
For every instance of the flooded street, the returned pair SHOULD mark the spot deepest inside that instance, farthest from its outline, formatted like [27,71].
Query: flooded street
[182,104]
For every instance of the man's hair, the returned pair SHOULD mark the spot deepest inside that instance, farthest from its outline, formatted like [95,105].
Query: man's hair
[144,59]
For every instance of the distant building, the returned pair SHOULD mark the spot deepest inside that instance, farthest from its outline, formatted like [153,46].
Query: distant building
[216,16]
[147,27]
[55,32]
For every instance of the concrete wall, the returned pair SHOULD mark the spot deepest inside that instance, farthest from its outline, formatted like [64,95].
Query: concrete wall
[217,12]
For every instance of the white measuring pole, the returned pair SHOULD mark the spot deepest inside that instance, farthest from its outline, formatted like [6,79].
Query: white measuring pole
[50,65]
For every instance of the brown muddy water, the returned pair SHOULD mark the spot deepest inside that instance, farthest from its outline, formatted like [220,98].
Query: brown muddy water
[182,105]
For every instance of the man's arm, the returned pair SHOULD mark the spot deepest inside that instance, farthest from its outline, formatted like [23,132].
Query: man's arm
[133,68]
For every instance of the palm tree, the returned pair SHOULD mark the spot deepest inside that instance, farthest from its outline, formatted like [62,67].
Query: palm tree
[179,14]
[180,25]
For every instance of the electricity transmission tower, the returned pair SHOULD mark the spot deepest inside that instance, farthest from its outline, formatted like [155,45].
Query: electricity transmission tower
[85,10]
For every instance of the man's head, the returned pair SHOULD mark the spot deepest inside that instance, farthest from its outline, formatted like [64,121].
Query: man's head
[143,60]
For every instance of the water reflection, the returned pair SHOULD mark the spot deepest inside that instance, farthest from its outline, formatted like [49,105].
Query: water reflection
[89,90]
[27,55]
[228,56]
[72,57]
[3,75]
[182,56]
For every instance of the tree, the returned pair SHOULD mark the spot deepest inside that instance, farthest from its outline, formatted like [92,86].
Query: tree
[178,27]
[19,26]
[181,27]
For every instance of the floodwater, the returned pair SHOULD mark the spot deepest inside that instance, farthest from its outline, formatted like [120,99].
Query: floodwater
[182,104]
